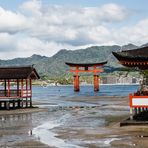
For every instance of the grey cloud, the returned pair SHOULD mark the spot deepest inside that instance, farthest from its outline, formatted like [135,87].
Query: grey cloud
[35,28]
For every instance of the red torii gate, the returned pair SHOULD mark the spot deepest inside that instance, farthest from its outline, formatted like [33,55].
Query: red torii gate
[95,68]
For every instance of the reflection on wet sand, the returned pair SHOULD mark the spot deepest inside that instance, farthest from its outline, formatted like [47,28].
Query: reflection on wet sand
[89,126]
[16,129]
[12,128]
[94,125]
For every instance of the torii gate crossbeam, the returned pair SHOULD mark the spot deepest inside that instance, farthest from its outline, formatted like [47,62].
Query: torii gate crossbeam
[94,68]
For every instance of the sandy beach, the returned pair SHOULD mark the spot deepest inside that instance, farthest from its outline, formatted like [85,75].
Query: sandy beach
[73,126]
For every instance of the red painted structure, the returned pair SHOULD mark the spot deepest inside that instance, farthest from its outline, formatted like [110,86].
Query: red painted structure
[16,86]
[94,68]
[136,58]
[140,104]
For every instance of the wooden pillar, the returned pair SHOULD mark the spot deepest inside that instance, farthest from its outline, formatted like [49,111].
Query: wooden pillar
[135,113]
[22,103]
[76,83]
[26,92]
[131,113]
[30,93]
[7,105]
[76,79]
[5,87]
[139,110]
[13,104]
[8,88]
[22,88]
[18,103]
[22,93]
[96,83]
[18,92]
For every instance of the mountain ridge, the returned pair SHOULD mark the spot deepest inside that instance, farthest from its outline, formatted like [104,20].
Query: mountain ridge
[55,65]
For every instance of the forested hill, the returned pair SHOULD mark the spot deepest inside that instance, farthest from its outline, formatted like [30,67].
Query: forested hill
[55,65]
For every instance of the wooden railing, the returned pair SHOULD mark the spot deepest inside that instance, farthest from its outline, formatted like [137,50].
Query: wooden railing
[15,93]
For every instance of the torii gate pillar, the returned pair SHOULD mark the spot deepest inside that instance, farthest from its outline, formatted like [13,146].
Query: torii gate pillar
[96,83]
[76,83]
[94,68]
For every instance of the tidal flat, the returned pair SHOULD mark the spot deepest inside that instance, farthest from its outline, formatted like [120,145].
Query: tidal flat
[78,126]
[73,120]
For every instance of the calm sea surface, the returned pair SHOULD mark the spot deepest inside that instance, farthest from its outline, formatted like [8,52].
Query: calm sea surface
[58,94]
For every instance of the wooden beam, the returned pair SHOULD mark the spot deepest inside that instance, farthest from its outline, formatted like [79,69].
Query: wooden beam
[133,63]
[96,70]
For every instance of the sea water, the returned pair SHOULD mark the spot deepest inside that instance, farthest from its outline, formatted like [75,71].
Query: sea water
[58,94]
[41,124]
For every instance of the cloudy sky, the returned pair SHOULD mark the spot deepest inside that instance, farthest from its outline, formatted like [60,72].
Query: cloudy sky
[45,26]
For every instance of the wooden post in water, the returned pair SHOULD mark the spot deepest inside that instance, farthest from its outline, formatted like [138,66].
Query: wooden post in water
[131,109]
[96,83]
[26,93]
[76,83]
[5,87]
[131,113]
[8,88]
[94,68]
[30,93]
[18,87]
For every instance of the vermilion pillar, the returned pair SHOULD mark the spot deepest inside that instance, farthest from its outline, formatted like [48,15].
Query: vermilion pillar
[18,94]
[26,92]
[96,83]
[30,93]
[94,68]
[8,88]
[22,83]
[5,87]
[76,83]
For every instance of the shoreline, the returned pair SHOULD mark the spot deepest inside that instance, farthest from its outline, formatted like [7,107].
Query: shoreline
[22,111]
[98,127]
[118,84]
[59,133]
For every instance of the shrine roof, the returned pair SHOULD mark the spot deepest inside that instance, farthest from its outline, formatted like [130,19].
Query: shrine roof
[133,58]
[139,55]
[18,72]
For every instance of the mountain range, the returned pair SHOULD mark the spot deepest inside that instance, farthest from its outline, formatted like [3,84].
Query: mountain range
[55,66]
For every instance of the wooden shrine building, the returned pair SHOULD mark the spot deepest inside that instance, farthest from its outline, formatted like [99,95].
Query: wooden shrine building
[94,68]
[16,86]
[137,59]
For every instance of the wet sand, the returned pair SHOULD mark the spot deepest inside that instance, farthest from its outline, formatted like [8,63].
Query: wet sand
[88,126]
[110,135]
[22,111]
